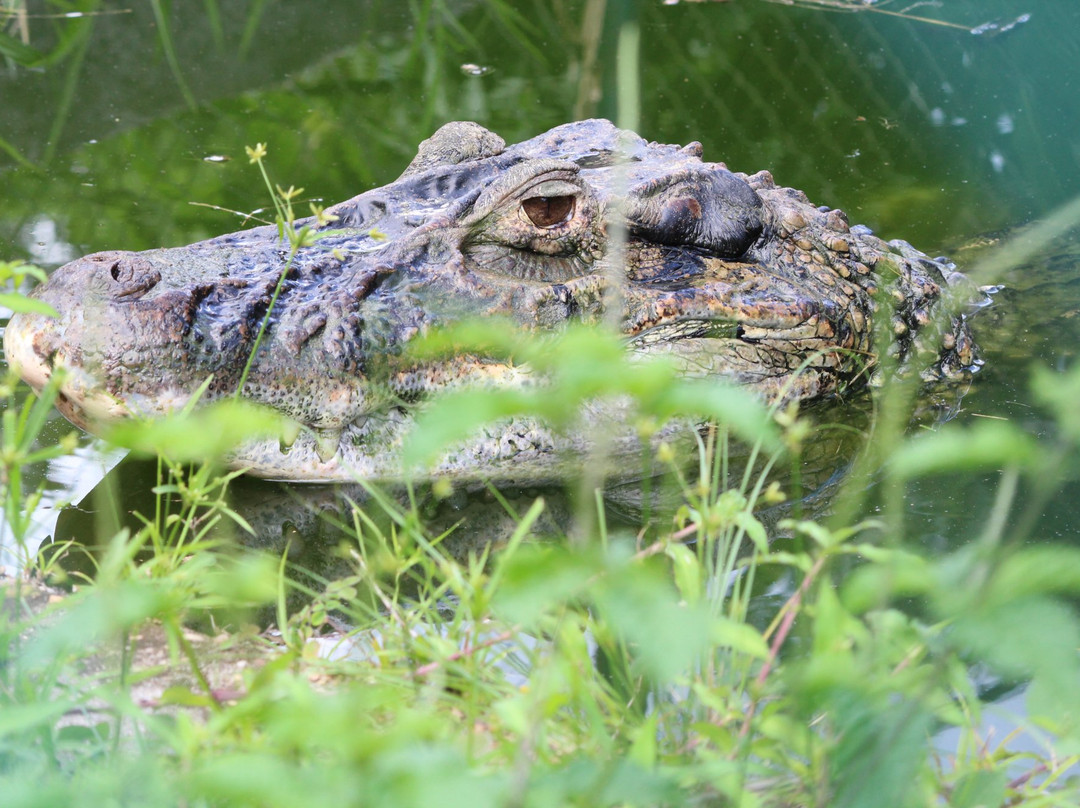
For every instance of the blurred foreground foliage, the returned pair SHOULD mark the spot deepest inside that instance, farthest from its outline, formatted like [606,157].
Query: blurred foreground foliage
[618,670]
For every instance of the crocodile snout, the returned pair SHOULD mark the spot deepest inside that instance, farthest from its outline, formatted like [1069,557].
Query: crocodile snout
[115,274]
[30,345]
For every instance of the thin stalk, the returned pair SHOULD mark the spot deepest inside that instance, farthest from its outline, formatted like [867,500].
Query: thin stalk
[592,28]
[263,325]
[284,216]
[996,522]
[628,67]
[170,53]
[251,26]
[213,19]
[67,95]
[16,155]
[847,7]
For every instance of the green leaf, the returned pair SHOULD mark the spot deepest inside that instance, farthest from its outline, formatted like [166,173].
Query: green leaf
[493,337]
[984,445]
[255,778]
[14,272]
[515,714]
[598,782]
[687,571]
[1030,637]
[643,743]
[820,534]
[835,629]
[248,581]
[583,366]
[185,697]
[880,747]
[97,614]
[980,789]
[456,416]
[892,573]
[665,636]
[741,637]
[21,304]
[539,580]
[754,529]
[17,718]
[733,407]
[1039,570]
[627,783]
[76,736]
[18,51]
[1059,392]
[207,433]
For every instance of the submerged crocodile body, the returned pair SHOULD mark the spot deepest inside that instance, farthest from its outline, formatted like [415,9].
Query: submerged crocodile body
[728,274]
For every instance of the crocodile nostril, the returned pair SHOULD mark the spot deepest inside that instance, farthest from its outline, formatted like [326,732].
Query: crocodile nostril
[133,276]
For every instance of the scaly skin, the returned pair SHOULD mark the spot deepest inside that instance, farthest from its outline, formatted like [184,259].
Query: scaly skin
[730,275]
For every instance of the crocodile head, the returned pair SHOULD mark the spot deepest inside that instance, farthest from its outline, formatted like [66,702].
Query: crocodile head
[729,275]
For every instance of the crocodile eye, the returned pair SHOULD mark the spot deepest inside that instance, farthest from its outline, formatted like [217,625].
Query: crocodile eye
[548,211]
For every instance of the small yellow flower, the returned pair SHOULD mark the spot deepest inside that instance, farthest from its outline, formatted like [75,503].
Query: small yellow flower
[289,195]
[321,216]
[773,495]
[257,153]
[646,427]
[70,442]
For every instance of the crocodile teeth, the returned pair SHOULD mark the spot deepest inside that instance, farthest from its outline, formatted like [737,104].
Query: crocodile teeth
[327,442]
[290,430]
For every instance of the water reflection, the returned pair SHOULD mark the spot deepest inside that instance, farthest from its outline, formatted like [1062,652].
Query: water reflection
[315,525]
[44,246]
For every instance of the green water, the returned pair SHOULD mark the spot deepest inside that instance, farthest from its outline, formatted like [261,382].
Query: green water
[131,133]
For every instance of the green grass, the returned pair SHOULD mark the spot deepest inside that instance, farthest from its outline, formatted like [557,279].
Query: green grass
[716,657]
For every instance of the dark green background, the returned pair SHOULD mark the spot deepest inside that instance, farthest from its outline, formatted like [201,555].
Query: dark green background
[921,131]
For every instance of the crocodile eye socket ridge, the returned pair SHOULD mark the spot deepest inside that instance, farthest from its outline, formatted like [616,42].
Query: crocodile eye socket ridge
[548,211]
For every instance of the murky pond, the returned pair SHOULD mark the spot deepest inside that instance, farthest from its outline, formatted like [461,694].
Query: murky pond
[130,134]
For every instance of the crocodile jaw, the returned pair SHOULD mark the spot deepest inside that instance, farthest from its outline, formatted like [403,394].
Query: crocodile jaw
[22,332]
[33,349]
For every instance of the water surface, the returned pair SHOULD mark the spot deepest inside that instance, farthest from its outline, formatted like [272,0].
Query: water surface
[135,138]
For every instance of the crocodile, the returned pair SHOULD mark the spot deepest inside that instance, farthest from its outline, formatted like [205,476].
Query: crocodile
[729,275]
